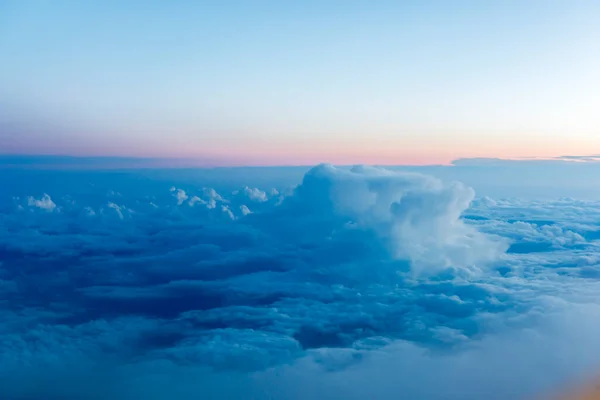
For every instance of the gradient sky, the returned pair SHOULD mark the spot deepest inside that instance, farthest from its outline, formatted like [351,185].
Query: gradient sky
[299,82]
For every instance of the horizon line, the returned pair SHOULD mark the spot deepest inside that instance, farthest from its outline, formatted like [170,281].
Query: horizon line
[68,161]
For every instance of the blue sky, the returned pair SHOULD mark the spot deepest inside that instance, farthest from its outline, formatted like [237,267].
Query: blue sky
[276,82]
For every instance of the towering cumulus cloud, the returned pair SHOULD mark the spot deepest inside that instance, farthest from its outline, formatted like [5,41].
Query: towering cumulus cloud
[417,217]
[350,283]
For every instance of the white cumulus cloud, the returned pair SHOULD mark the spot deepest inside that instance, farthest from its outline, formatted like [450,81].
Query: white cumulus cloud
[245,210]
[180,195]
[255,194]
[45,203]
[416,215]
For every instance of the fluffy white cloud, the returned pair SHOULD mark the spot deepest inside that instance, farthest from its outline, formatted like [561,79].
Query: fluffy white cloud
[180,195]
[212,194]
[255,194]
[44,203]
[416,215]
[245,210]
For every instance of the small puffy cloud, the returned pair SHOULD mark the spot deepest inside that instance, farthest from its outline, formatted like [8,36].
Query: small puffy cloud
[245,210]
[44,203]
[180,195]
[212,194]
[255,194]
[211,204]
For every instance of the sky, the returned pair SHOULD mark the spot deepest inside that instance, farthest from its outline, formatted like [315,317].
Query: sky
[407,199]
[280,83]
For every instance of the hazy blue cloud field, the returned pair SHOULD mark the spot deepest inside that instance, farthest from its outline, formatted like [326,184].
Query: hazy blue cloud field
[299,283]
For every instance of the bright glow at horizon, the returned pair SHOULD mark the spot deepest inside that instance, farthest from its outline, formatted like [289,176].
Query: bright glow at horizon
[300,82]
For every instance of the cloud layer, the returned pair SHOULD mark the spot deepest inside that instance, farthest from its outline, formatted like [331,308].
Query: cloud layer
[356,283]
